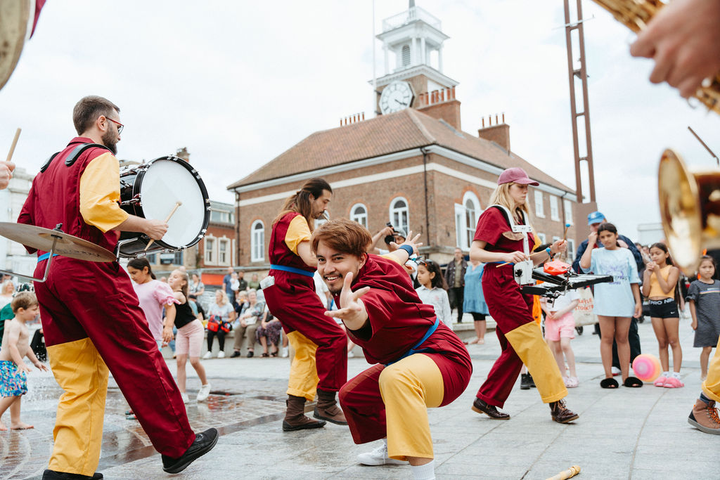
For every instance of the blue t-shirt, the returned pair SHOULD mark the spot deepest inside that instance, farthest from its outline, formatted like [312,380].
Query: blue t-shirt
[614,299]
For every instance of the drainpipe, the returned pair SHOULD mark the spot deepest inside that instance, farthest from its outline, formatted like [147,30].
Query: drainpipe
[427,208]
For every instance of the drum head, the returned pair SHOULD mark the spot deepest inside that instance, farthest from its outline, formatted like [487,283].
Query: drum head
[166,182]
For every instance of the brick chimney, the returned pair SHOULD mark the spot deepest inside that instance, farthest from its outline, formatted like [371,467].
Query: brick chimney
[440,104]
[498,133]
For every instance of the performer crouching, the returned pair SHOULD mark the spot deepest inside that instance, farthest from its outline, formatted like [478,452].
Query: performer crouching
[421,363]
[290,294]
[501,241]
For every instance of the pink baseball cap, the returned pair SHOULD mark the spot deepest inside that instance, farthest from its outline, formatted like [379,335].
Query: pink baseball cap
[516,175]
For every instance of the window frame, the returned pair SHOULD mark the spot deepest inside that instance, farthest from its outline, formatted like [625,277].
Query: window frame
[257,245]
[395,210]
[554,208]
[364,216]
[539,208]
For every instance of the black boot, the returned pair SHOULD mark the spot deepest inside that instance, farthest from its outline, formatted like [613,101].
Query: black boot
[525,381]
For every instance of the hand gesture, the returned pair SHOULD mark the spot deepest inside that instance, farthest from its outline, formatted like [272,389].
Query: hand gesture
[353,309]
[6,173]
[514,257]
[412,242]
[155,229]
[651,267]
[592,239]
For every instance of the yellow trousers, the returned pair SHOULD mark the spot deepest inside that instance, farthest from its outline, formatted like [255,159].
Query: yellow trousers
[82,373]
[408,388]
[304,379]
[711,385]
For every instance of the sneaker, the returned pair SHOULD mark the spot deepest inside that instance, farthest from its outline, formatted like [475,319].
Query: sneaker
[660,381]
[379,456]
[53,475]
[351,354]
[673,382]
[185,398]
[571,382]
[221,354]
[525,381]
[207,355]
[235,354]
[204,442]
[203,393]
[285,353]
[704,417]
[616,371]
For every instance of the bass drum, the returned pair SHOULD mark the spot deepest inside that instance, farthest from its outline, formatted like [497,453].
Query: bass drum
[151,191]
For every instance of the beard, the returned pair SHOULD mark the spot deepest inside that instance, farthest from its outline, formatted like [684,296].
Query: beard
[110,141]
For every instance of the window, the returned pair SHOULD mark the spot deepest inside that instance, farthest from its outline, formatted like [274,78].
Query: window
[358,213]
[571,250]
[257,241]
[554,211]
[466,218]
[539,204]
[152,259]
[541,236]
[406,55]
[223,255]
[175,258]
[209,251]
[568,211]
[220,216]
[399,214]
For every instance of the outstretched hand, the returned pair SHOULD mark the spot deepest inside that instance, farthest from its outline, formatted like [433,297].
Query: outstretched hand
[412,242]
[353,313]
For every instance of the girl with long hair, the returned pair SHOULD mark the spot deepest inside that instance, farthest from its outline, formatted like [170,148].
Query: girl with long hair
[433,289]
[154,296]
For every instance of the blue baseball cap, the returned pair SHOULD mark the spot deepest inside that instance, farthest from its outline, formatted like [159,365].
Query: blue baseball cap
[595,217]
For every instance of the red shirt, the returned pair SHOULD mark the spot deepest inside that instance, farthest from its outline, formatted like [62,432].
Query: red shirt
[495,230]
[280,253]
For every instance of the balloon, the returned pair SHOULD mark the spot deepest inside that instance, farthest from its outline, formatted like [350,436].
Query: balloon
[647,367]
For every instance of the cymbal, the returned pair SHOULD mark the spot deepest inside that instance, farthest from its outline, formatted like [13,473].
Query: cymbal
[14,17]
[67,245]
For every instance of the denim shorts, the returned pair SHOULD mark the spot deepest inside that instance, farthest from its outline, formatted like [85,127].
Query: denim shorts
[665,308]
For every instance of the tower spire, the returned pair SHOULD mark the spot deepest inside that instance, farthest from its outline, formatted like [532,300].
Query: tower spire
[412,4]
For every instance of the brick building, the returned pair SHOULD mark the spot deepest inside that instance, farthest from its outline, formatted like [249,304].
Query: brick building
[412,165]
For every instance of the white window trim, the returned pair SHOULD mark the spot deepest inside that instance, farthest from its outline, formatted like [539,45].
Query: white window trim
[353,215]
[212,259]
[554,208]
[228,254]
[462,229]
[571,249]
[539,211]
[253,244]
[568,211]
[393,209]
[542,237]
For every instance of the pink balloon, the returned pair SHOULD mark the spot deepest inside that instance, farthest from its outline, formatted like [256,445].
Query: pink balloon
[647,367]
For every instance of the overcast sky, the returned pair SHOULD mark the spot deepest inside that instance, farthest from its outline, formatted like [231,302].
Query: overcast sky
[239,82]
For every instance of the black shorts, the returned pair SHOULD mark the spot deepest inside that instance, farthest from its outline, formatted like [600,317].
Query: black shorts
[665,308]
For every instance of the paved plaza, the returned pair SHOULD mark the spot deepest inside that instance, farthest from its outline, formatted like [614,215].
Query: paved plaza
[621,434]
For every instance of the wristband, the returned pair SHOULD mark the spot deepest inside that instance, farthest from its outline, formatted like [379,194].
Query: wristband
[549,252]
[407,248]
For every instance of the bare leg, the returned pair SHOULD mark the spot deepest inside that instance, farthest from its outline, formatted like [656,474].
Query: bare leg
[661,335]
[622,327]
[569,355]
[704,359]
[15,421]
[5,403]
[607,328]
[480,329]
[557,353]
[673,338]
[181,373]
[198,366]
[417,461]
[263,342]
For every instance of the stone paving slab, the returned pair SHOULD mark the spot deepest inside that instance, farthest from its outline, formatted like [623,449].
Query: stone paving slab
[624,433]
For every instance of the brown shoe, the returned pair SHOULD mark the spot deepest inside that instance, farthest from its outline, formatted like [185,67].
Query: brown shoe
[295,418]
[491,411]
[327,408]
[704,417]
[561,414]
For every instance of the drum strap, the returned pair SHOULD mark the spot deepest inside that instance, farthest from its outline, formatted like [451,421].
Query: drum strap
[79,150]
[49,161]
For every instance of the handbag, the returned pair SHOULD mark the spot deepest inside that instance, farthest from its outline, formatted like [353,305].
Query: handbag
[583,313]
[213,324]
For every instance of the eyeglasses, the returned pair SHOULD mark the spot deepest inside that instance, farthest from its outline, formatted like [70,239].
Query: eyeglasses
[120,126]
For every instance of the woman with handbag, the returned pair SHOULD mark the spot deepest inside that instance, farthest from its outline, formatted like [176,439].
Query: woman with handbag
[221,314]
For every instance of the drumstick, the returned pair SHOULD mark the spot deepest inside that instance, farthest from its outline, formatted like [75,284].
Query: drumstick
[177,204]
[569,473]
[12,147]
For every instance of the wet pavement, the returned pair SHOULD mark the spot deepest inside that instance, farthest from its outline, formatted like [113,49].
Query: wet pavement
[624,434]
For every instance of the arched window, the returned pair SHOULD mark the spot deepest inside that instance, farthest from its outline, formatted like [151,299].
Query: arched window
[399,214]
[257,241]
[466,218]
[358,213]
[406,55]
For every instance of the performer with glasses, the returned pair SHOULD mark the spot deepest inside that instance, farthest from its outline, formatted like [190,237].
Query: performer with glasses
[90,313]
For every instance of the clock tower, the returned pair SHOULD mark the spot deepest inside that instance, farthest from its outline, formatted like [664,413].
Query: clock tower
[413,54]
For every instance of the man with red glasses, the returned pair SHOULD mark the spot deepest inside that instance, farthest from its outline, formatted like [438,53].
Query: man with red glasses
[91,317]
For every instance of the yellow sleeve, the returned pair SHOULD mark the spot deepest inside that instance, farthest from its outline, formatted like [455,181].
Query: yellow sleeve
[100,193]
[298,232]
[392,257]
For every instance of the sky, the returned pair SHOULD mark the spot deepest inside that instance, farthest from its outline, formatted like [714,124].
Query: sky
[239,82]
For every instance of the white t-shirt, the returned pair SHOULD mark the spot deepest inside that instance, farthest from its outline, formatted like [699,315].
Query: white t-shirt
[438,298]
[563,301]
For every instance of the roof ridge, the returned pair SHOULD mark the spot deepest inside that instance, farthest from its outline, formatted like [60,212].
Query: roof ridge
[419,125]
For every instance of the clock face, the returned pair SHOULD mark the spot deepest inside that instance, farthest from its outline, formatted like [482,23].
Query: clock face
[395,97]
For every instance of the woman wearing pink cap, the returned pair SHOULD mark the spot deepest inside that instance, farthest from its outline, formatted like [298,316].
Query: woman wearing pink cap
[503,241]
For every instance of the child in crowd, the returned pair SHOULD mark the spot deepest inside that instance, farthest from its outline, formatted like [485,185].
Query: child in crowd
[153,295]
[616,302]
[433,289]
[190,334]
[704,299]
[659,282]
[13,370]
[559,330]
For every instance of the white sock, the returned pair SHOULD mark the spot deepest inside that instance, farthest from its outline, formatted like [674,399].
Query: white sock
[424,472]
[665,374]
[676,375]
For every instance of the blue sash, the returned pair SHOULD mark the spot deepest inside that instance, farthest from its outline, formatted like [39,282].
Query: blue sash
[45,256]
[413,350]
[299,271]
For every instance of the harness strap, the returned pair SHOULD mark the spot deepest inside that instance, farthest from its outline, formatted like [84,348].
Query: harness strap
[413,350]
[80,149]
[299,271]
